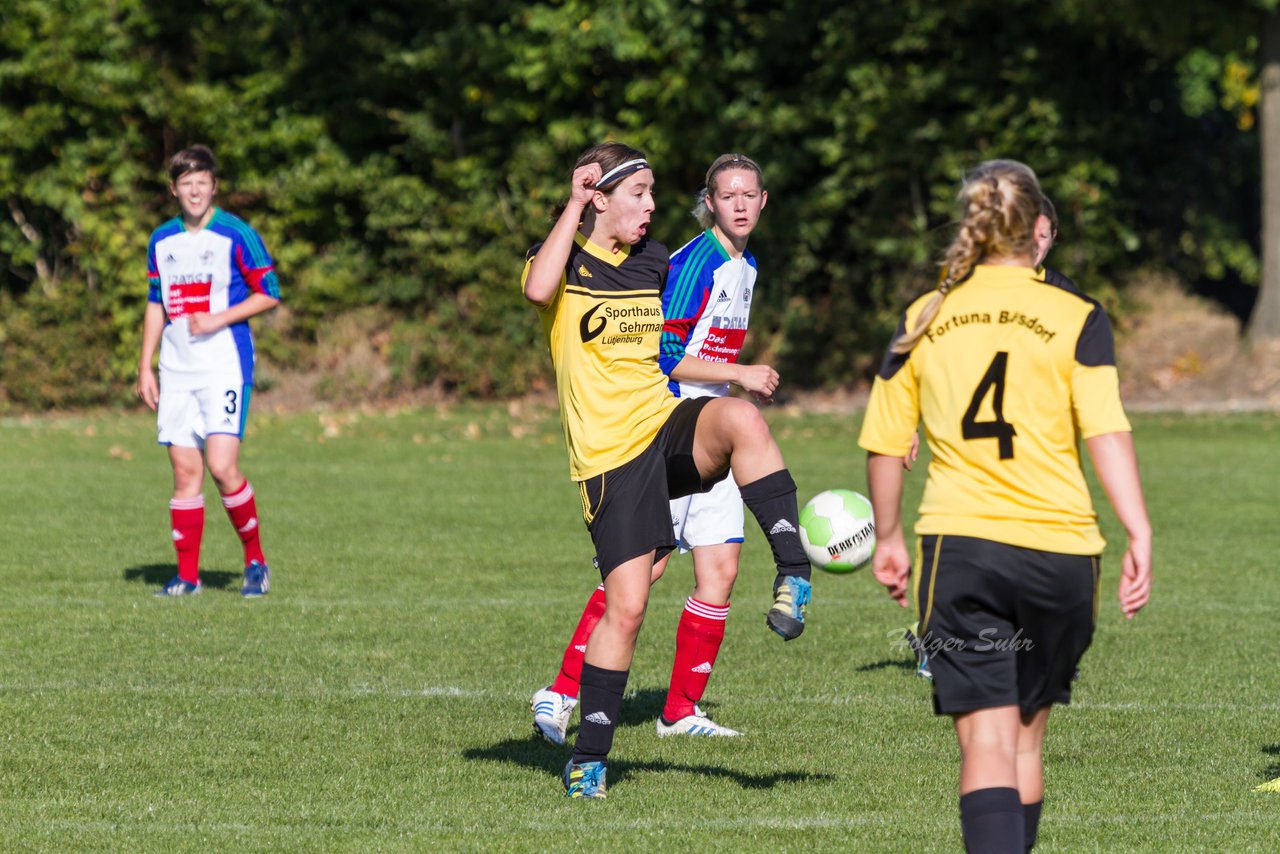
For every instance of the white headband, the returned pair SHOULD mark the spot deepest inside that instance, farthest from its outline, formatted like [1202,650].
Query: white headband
[621,171]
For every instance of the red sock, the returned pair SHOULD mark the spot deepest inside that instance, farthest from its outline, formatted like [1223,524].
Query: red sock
[698,639]
[567,682]
[186,517]
[243,513]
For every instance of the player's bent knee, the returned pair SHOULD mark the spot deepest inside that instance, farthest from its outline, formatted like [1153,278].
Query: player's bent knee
[227,477]
[748,424]
[187,476]
[625,619]
[730,424]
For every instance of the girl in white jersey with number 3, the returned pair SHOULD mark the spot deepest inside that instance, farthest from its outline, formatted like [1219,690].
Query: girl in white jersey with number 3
[209,273]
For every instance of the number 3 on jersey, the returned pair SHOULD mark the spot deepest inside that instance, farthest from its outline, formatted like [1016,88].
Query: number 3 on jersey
[999,429]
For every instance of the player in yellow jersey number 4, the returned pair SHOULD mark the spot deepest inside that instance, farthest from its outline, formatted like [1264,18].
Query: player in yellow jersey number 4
[1008,373]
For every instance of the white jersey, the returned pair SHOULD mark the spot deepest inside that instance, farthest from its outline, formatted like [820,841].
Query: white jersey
[706,308]
[208,270]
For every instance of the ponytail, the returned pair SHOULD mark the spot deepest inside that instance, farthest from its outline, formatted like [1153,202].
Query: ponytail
[1000,200]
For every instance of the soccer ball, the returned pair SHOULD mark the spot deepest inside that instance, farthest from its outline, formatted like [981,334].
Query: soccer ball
[838,530]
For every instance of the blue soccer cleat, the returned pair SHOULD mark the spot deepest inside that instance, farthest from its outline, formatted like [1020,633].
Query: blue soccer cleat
[922,667]
[177,587]
[585,780]
[257,580]
[791,595]
[922,655]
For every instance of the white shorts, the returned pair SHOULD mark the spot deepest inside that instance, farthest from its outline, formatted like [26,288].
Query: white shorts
[709,518]
[187,416]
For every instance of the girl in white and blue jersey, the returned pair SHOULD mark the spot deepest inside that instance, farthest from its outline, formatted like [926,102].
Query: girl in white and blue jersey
[209,273]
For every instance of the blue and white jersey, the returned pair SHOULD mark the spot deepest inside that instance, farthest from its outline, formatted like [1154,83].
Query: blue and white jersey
[705,307]
[208,270]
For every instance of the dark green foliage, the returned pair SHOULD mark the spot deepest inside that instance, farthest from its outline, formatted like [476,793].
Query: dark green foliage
[52,350]
[405,155]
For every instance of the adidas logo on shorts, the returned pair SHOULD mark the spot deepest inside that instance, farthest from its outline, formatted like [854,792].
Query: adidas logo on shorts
[599,718]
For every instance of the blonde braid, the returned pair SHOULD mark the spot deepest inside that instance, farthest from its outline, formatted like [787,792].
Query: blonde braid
[994,223]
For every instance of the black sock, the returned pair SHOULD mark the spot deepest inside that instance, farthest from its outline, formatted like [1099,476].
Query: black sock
[772,500]
[599,702]
[992,821]
[1031,816]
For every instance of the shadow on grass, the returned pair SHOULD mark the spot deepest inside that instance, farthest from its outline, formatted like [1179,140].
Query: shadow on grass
[885,663]
[642,707]
[535,753]
[639,708]
[1272,770]
[156,574]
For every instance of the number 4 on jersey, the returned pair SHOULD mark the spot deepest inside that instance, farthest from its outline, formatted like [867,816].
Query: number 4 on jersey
[999,429]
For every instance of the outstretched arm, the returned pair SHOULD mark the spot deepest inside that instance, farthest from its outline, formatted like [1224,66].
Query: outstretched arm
[760,380]
[1116,463]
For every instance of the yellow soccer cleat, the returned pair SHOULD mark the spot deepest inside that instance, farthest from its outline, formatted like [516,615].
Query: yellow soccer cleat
[1270,786]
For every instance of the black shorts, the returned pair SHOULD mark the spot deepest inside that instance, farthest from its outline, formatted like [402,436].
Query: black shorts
[628,509]
[1002,625]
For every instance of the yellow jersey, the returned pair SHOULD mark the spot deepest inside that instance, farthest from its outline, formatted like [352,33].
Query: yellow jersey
[1012,373]
[603,327]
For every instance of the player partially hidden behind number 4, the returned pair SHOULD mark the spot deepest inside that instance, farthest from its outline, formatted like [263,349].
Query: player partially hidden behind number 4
[209,273]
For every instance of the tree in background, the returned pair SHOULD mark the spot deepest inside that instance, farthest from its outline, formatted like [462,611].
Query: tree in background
[1264,324]
[398,156]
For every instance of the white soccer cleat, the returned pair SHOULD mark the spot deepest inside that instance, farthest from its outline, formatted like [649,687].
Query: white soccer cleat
[551,712]
[695,724]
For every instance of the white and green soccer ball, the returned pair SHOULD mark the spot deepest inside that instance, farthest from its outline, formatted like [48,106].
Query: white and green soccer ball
[838,530]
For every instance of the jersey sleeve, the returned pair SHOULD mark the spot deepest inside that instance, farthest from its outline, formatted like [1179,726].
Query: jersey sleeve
[893,410]
[255,264]
[524,276]
[153,275]
[684,298]
[1095,383]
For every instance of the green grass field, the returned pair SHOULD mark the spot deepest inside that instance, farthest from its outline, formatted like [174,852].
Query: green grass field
[428,568]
